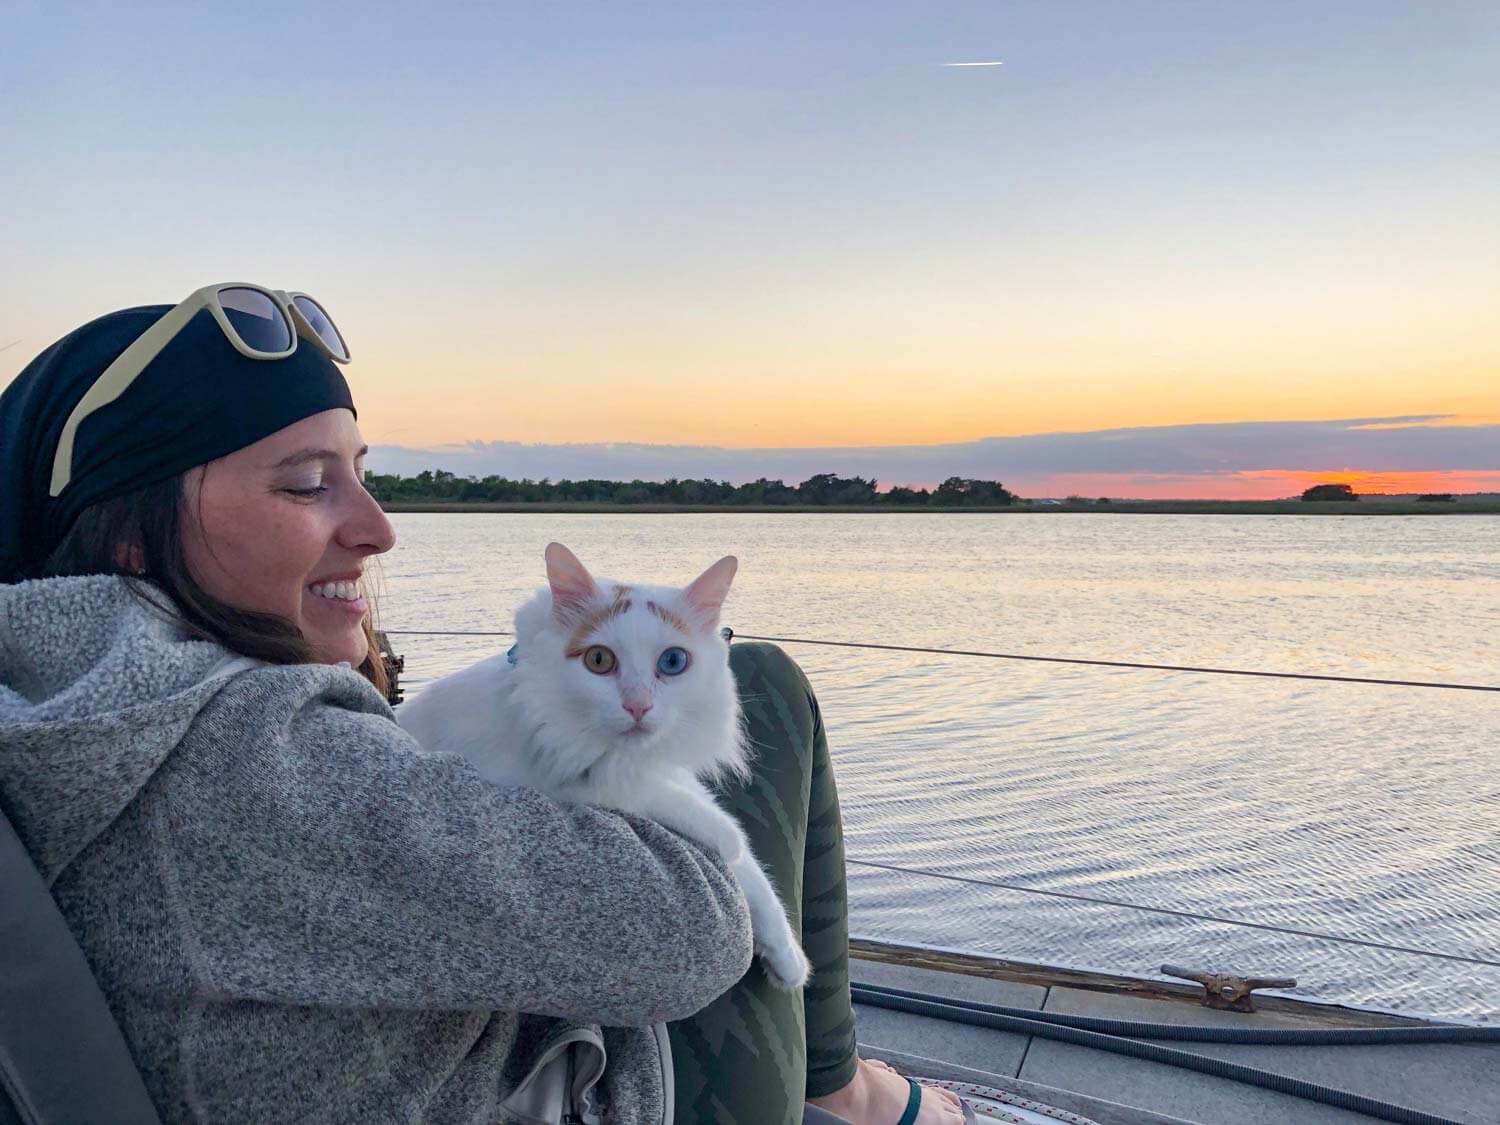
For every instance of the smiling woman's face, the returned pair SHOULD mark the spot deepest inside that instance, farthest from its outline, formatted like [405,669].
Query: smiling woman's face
[280,525]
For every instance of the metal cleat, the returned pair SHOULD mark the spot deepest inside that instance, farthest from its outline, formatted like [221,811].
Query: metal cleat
[1225,990]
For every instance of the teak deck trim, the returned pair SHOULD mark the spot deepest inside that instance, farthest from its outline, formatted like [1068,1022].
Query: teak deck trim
[1048,976]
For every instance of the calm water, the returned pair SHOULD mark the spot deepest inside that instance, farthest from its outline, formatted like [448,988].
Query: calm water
[1368,812]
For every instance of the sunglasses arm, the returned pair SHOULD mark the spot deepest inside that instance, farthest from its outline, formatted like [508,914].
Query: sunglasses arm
[116,381]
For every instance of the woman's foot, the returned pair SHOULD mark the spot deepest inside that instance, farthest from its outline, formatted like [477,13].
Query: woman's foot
[878,1095]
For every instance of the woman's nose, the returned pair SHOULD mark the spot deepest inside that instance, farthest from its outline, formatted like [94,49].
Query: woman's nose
[366,528]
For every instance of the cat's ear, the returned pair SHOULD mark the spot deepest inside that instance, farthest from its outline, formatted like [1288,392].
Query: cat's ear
[707,592]
[573,587]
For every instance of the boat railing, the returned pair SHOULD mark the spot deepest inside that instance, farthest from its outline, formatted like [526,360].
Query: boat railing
[730,634]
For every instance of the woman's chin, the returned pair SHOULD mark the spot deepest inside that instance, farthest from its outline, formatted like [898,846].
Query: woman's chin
[348,646]
[335,629]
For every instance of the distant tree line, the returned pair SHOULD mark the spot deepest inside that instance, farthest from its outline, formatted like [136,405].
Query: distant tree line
[1345,492]
[436,485]
[1330,492]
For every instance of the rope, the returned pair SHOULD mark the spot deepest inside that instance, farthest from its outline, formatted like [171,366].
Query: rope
[1205,1033]
[1136,1048]
[1323,677]
[972,1091]
[1175,913]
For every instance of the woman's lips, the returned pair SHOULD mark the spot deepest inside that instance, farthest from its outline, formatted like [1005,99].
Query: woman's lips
[356,607]
[342,605]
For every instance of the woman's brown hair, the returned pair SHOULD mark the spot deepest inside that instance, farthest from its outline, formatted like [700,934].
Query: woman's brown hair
[139,536]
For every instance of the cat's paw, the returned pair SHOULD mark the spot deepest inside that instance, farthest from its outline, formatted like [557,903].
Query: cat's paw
[786,966]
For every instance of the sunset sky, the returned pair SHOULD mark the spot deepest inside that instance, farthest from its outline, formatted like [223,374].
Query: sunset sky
[1183,248]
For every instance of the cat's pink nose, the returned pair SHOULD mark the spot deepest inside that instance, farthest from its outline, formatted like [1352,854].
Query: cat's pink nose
[637,710]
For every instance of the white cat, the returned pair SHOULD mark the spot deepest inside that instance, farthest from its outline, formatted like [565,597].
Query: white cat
[619,696]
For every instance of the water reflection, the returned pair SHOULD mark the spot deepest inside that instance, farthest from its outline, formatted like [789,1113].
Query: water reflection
[1365,811]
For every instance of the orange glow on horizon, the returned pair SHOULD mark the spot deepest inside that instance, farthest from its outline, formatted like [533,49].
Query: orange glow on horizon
[819,411]
[876,369]
[1257,484]
[1366,482]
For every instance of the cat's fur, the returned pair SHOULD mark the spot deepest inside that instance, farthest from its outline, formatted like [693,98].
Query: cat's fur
[633,739]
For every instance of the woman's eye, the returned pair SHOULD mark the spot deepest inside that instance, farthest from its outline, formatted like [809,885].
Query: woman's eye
[599,660]
[673,662]
[315,491]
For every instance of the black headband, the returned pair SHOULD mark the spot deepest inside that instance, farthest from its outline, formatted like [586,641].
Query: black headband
[198,400]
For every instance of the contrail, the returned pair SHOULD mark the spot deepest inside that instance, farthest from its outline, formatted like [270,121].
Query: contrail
[995,62]
[13,343]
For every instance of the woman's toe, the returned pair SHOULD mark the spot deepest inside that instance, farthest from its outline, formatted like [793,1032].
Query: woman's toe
[953,1108]
[940,1107]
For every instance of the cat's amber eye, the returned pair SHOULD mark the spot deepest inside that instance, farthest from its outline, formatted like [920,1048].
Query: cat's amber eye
[599,660]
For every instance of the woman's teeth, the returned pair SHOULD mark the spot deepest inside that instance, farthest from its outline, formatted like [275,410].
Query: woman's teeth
[347,591]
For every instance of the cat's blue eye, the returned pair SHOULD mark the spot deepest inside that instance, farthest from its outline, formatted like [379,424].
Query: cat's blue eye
[673,662]
[599,660]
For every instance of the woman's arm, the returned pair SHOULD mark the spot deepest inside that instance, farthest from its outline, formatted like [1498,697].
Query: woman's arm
[323,858]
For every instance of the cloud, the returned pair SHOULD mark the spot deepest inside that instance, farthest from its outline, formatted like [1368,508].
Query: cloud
[1411,443]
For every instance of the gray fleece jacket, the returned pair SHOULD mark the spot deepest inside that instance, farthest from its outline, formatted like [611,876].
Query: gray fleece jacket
[297,914]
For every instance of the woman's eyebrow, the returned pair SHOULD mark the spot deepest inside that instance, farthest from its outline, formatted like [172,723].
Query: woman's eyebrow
[301,457]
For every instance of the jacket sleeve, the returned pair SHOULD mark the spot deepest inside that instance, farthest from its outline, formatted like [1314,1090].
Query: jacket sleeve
[322,857]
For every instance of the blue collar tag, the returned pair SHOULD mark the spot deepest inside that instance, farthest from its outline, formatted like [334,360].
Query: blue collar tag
[510,655]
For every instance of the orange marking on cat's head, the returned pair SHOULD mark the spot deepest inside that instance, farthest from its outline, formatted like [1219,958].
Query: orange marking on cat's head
[669,617]
[595,619]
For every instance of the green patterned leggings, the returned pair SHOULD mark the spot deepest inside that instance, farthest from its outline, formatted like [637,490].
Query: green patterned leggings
[754,1054]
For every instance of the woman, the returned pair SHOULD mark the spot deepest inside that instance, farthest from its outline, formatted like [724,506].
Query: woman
[293,911]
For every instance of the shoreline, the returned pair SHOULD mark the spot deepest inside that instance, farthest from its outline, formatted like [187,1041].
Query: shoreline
[1119,507]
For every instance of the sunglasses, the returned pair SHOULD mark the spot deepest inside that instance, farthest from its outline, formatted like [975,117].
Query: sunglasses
[260,323]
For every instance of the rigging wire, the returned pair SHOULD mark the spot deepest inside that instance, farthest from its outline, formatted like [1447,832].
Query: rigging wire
[976,881]
[1323,677]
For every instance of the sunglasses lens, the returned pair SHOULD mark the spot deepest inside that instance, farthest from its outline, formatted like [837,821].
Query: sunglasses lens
[255,317]
[321,324]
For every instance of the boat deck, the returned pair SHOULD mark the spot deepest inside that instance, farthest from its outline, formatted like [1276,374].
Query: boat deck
[1456,1081]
